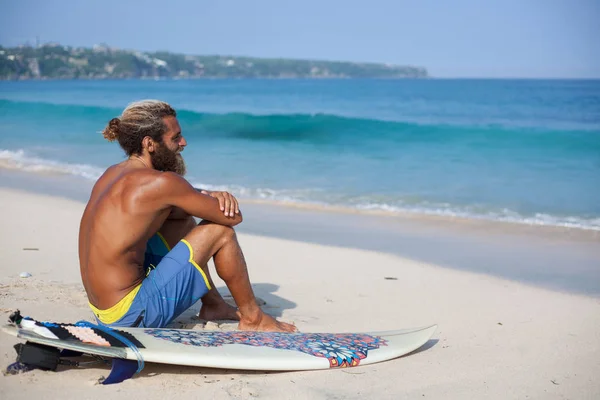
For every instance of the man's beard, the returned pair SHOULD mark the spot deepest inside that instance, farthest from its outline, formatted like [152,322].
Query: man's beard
[164,159]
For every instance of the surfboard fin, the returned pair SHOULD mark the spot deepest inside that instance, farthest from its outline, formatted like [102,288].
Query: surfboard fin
[121,370]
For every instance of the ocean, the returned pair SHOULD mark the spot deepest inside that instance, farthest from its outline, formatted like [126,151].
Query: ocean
[524,151]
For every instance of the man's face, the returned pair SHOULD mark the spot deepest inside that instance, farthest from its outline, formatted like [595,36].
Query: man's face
[166,157]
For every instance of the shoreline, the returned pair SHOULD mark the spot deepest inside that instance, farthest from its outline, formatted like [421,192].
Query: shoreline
[579,233]
[11,174]
[557,258]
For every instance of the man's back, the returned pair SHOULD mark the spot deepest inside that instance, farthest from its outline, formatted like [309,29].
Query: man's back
[115,226]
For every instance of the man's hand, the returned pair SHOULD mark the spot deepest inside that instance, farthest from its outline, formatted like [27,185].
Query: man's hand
[228,204]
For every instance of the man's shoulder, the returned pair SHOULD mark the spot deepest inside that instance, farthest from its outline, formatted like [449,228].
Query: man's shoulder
[167,177]
[160,181]
[117,177]
[140,178]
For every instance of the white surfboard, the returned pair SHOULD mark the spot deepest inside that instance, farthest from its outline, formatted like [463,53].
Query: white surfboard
[242,350]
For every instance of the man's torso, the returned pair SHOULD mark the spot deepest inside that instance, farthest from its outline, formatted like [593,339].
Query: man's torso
[121,215]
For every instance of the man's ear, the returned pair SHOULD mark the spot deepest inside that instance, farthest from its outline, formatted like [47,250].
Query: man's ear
[148,144]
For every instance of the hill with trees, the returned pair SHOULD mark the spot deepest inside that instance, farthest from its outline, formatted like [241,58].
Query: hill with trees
[54,61]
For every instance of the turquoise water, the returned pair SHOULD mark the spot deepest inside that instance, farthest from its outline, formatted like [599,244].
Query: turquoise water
[519,150]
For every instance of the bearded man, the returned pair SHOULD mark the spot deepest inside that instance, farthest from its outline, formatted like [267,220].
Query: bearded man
[143,258]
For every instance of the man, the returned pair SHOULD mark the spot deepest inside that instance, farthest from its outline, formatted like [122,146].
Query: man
[142,256]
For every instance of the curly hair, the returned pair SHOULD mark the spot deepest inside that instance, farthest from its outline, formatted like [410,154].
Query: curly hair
[138,120]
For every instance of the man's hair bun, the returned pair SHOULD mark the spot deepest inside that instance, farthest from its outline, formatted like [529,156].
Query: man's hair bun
[111,132]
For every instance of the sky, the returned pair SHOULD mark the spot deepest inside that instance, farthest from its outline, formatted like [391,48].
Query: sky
[451,38]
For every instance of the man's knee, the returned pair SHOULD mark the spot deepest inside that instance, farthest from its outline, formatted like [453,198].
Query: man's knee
[221,232]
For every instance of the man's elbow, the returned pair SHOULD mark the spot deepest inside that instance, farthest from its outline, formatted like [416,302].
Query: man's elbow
[229,221]
[237,219]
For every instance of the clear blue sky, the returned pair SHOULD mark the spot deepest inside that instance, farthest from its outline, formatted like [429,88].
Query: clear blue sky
[452,38]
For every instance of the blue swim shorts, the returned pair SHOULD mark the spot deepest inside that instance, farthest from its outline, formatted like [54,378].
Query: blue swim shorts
[173,283]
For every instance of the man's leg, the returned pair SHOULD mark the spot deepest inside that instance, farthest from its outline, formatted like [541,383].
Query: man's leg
[213,305]
[209,240]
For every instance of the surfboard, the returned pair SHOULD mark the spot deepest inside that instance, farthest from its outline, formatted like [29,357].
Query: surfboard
[240,350]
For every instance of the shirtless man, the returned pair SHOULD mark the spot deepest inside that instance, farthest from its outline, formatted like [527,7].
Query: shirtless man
[143,258]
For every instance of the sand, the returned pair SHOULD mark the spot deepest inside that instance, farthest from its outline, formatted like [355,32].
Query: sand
[497,338]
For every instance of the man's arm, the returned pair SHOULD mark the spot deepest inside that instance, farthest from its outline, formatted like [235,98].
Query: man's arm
[227,202]
[186,200]
[178,213]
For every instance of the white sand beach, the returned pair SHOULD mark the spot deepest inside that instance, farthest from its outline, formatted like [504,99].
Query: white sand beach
[497,338]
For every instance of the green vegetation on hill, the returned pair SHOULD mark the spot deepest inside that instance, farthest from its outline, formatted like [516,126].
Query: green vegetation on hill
[54,61]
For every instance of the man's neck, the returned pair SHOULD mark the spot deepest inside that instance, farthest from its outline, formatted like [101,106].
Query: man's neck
[141,160]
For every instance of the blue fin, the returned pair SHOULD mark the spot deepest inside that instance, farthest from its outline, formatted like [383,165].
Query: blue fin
[121,370]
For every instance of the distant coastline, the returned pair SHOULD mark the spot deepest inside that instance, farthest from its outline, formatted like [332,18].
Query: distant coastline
[55,61]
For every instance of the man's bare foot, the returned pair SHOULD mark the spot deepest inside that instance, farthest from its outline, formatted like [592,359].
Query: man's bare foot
[219,311]
[265,323]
